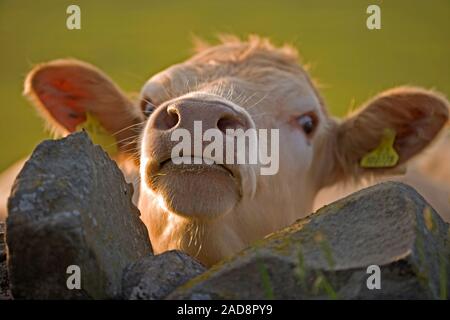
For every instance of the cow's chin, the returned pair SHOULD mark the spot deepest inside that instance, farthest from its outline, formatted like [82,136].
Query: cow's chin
[198,191]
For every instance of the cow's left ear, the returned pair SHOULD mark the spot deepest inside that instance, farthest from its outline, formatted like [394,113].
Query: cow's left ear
[72,94]
[388,131]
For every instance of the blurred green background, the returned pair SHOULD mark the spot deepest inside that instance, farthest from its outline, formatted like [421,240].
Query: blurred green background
[130,40]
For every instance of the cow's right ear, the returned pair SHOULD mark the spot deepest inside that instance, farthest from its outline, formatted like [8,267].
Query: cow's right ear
[67,92]
[385,133]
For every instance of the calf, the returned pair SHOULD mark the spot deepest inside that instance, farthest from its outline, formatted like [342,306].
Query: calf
[214,210]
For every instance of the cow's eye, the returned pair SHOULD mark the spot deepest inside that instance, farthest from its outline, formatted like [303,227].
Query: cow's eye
[308,123]
[147,107]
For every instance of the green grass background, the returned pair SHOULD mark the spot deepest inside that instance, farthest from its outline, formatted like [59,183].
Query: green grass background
[132,39]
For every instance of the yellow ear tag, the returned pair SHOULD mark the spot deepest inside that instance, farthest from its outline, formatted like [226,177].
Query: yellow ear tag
[98,134]
[384,155]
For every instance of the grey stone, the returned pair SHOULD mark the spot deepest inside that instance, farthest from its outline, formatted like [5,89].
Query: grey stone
[154,277]
[2,242]
[326,255]
[4,283]
[70,205]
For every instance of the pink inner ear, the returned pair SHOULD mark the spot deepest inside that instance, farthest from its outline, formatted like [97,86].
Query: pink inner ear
[64,101]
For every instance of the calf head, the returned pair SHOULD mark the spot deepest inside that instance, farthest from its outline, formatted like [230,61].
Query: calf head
[212,209]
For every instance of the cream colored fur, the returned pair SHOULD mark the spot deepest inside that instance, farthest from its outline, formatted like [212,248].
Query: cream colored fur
[273,89]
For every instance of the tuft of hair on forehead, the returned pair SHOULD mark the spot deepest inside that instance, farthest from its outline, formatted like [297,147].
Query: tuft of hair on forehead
[232,49]
[253,57]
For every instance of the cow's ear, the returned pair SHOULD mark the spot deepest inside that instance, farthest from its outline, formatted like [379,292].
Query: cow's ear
[389,130]
[69,93]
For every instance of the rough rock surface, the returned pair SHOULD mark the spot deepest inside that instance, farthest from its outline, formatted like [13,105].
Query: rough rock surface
[4,283]
[70,205]
[327,254]
[154,277]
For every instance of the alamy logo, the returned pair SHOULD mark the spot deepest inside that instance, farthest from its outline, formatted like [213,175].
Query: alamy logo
[374,280]
[74,20]
[373,21]
[74,280]
[236,146]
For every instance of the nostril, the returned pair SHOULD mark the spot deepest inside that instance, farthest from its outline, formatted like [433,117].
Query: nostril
[165,119]
[172,118]
[229,122]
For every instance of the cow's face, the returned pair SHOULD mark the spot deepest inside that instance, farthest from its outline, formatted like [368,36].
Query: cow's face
[229,87]
[214,208]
